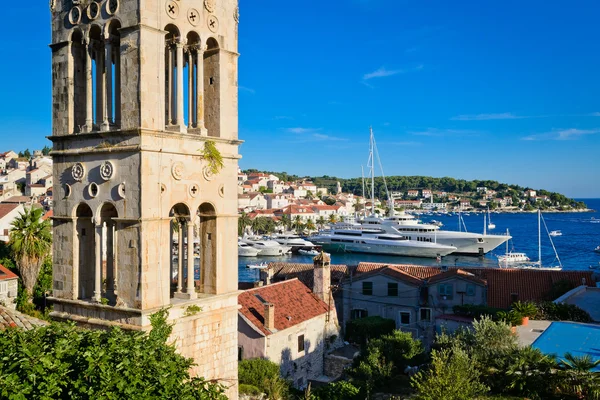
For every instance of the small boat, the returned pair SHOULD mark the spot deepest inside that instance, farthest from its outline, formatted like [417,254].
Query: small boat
[556,233]
[312,253]
[595,221]
[262,265]
[513,258]
[597,249]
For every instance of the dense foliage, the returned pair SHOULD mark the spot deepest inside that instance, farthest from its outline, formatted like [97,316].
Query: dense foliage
[362,329]
[551,311]
[62,361]
[262,376]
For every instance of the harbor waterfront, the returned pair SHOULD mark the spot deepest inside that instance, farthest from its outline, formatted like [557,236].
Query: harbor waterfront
[580,235]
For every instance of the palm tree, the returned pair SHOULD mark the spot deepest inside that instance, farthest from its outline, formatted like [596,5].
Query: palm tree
[332,219]
[259,225]
[321,221]
[310,225]
[286,221]
[244,221]
[297,223]
[30,244]
[578,377]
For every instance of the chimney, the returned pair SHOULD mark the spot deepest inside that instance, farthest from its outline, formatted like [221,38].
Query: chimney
[270,316]
[322,276]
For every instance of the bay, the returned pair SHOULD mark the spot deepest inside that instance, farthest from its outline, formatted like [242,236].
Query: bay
[580,235]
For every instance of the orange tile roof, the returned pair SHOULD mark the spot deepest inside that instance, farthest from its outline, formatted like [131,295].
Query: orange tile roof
[456,273]
[394,272]
[14,319]
[6,274]
[305,272]
[294,303]
[6,208]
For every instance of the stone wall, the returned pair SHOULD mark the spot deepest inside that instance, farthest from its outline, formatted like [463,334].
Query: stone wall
[335,365]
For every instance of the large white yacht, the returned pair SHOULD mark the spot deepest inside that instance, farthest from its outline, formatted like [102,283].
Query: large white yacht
[292,240]
[465,242]
[378,241]
[266,247]
[245,250]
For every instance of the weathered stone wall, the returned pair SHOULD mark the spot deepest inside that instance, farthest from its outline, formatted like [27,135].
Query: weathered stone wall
[335,366]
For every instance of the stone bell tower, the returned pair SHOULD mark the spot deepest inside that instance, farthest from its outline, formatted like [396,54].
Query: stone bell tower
[144,96]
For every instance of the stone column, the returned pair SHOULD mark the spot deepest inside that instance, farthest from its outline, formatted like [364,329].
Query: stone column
[117,59]
[107,87]
[98,266]
[180,258]
[89,102]
[191,290]
[110,257]
[179,108]
[170,85]
[200,89]
[109,80]
[190,63]
[99,84]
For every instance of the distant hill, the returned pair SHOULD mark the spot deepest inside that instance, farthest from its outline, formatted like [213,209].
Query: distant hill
[446,184]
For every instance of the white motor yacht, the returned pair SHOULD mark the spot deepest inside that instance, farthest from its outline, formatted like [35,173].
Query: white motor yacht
[512,258]
[292,240]
[466,243]
[245,250]
[266,247]
[378,241]
[556,233]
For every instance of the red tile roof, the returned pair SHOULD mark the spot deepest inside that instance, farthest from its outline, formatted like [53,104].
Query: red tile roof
[14,319]
[396,273]
[305,272]
[49,214]
[294,303]
[456,273]
[6,208]
[6,274]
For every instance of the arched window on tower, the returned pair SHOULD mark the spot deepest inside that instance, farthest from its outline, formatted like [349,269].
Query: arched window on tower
[78,50]
[84,253]
[208,248]
[212,88]
[174,79]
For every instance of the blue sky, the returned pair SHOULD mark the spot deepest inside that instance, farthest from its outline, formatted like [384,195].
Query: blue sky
[470,89]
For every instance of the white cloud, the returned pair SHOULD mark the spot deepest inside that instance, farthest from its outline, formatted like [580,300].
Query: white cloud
[383,72]
[563,134]
[321,137]
[436,132]
[300,130]
[486,117]
[246,89]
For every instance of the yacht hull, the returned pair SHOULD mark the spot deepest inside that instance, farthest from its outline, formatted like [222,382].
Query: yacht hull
[470,244]
[403,251]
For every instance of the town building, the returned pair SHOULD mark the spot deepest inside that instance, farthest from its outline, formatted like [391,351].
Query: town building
[130,164]
[8,213]
[291,325]
[9,286]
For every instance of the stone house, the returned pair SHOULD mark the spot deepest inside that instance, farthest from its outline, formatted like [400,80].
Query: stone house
[8,213]
[413,302]
[276,186]
[8,288]
[19,163]
[288,324]
[275,200]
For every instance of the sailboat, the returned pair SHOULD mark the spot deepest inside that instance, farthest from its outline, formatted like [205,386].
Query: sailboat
[538,264]
[490,224]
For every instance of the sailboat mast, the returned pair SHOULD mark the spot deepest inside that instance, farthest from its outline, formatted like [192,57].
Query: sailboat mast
[372,156]
[363,192]
[540,236]
[484,225]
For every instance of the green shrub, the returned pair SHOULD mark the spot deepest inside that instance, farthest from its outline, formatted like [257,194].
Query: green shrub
[360,330]
[341,390]
[249,390]
[476,311]
[62,361]
[256,372]
[525,308]
[562,312]
[559,288]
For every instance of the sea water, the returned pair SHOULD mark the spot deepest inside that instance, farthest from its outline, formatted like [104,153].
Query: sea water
[575,248]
